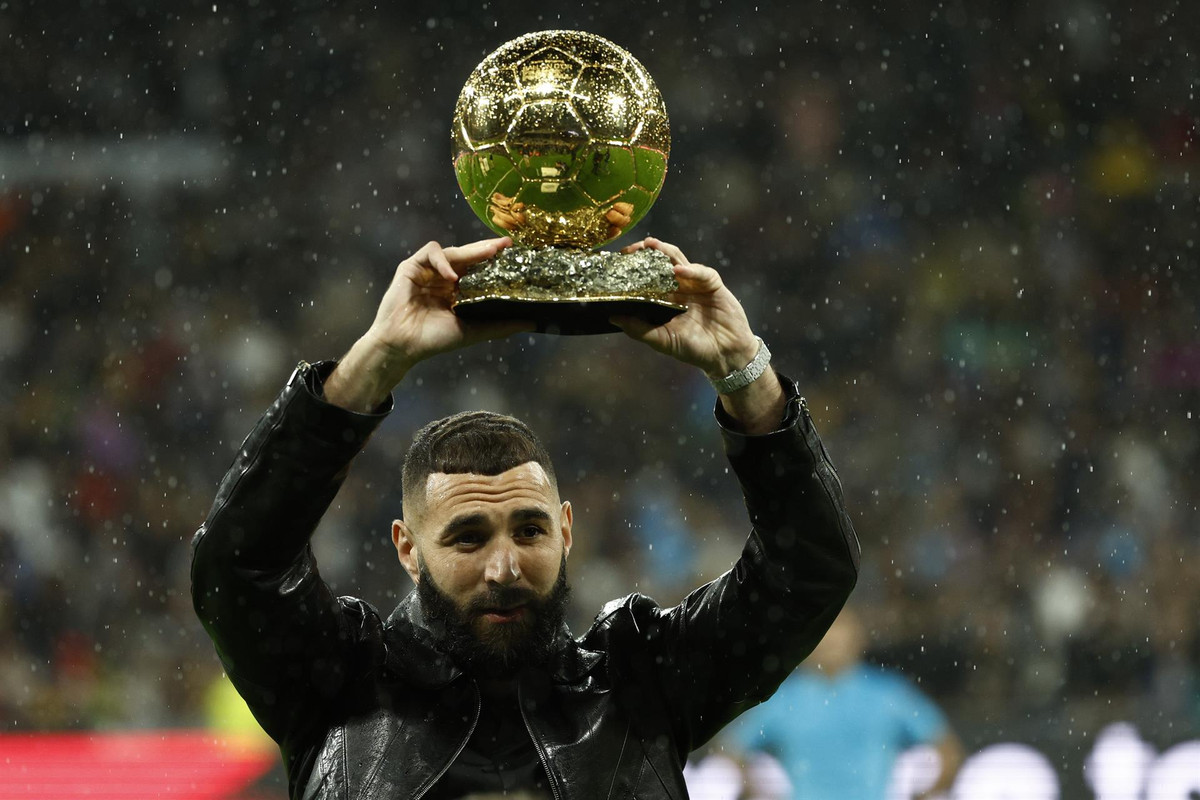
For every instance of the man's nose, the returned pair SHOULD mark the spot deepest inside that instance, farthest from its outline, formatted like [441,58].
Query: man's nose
[502,567]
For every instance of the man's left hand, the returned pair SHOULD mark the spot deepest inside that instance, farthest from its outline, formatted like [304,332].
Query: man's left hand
[713,334]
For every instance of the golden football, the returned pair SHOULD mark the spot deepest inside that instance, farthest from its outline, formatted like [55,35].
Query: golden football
[560,138]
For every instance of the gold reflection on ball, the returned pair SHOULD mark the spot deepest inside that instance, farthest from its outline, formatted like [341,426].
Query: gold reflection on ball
[560,138]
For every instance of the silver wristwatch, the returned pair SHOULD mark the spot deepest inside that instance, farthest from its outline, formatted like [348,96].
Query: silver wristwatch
[741,378]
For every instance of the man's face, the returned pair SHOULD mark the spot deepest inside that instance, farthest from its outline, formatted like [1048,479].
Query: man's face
[488,555]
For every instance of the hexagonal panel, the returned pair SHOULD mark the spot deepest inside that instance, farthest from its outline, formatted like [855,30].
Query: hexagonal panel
[546,123]
[638,76]
[653,131]
[485,107]
[491,169]
[547,71]
[508,183]
[607,103]
[605,171]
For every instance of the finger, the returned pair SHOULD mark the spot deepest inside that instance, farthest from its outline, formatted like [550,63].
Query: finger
[617,218]
[437,259]
[671,251]
[635,328]
[468,255]
[633,248]
[697,277]
[418,266]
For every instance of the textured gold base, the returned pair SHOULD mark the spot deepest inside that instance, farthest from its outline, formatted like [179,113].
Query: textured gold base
[568,291]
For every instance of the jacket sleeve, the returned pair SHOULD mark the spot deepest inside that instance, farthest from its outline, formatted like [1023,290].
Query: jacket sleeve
[730,643]
[282,636]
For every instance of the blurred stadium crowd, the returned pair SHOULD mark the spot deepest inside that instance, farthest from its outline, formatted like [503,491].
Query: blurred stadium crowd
[968,230]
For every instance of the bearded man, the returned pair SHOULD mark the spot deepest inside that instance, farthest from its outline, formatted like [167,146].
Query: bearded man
[474,686]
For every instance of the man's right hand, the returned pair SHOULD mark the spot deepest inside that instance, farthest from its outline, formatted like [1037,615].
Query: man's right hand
[414,322]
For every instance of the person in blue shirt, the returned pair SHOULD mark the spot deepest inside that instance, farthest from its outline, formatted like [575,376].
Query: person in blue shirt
[838,724]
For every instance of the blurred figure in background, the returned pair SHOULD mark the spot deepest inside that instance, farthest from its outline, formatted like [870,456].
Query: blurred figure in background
[838,724]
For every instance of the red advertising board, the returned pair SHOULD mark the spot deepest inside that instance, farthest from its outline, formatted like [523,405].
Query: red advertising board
[182,765]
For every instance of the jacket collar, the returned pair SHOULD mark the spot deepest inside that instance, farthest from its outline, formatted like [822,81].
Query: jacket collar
[412,642]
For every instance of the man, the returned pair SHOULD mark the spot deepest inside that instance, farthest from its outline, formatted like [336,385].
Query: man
[838,724]
[473,685]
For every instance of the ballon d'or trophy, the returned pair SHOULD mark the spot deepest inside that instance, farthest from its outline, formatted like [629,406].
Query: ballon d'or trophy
[561,142]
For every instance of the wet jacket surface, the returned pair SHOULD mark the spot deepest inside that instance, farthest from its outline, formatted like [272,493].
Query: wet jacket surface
[367,707]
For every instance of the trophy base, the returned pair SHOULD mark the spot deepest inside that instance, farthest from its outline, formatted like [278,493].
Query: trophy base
[571,316]
[569,291]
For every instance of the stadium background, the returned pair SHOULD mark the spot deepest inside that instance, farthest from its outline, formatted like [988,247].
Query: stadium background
[968,229]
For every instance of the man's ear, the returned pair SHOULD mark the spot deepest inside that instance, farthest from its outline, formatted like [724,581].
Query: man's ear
[567,519]
[406,549]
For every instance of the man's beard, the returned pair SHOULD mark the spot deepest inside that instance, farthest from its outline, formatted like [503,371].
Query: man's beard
[500,649]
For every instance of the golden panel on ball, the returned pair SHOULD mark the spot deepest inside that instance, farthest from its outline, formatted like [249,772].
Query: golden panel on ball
[560,138]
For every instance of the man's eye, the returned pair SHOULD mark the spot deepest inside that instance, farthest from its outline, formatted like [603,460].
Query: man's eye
[468,539]
[531,531]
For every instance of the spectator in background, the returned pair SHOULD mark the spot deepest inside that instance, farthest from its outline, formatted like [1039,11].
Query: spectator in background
[838,724]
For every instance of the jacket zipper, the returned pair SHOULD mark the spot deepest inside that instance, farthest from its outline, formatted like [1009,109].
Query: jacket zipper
[461,747]
[537,745]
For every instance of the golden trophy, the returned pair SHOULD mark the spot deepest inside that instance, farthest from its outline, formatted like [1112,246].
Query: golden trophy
[561,142]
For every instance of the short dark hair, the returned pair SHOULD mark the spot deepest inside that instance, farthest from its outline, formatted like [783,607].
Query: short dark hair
[482,442]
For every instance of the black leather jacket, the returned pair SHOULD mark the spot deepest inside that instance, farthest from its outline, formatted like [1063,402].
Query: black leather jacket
[363,708]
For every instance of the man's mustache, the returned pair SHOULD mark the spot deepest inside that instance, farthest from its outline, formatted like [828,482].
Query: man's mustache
[502,598]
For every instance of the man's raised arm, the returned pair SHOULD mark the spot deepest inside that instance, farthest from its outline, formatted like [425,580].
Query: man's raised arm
[414,322]
[729,643]
[278,629]
[715,336]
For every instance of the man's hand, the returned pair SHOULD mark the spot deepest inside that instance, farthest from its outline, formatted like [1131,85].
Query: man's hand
[714,335]
[414,322]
